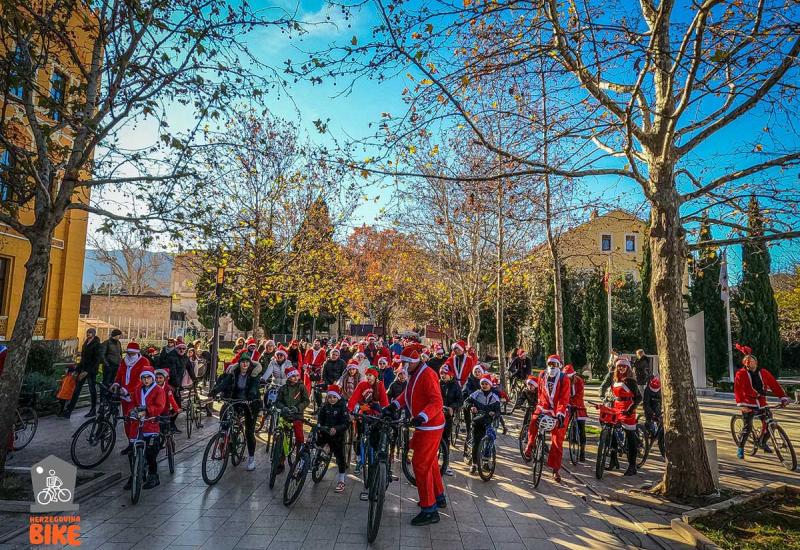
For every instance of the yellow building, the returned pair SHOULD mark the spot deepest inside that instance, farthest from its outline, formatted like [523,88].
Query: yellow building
[58,318]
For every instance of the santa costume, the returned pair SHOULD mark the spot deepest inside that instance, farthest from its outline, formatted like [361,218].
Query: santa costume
[127,378]
[312,371]
[553,398]
[461,363]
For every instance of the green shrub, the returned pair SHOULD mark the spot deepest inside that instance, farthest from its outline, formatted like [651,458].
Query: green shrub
[40,360]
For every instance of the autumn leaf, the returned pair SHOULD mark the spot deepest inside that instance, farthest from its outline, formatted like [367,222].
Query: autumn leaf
[426,81]
[435,150]
[354,40]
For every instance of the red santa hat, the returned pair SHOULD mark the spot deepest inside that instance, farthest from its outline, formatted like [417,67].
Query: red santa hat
[438,349]
[251,342]
[532,381]
[352,364]
[400,369]
[181,345]
[445,370]
[411,353]
[569,370]
[133,347]
[655,384]
[373,371]
[396,359]
[554,359]
[335,391]
[479,368]
[291,371]
[487,378]
[383,361]
[521,353]
[461,344]
[371,336]
[282,350]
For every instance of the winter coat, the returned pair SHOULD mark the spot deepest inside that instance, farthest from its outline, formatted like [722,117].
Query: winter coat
[423,398]
[520,367]
[451,394]
[178,365]
[277,371]
[651,403]
[349,383]
[748,394]
[293,395]
[436,362]
[395,389]
[111,354]
[369,395]
[484,401]
[332,371]
[334,416]
[555,404]
[90,355]
[226,385]
[462,366]
[153,401]
[642,369]
[472,385]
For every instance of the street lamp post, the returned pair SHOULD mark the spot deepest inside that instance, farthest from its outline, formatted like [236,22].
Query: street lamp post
[215,342]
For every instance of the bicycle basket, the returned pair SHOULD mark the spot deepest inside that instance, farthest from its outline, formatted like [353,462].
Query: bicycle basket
[607,415]
[546,423]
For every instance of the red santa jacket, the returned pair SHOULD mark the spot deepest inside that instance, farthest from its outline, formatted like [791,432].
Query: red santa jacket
[128,376]
[746,395]
[382,351]
[576,397]
[366,394]
[555,402]
[423,397]
[170,406]
[315,361]
[253,356]
[466,365]
[154,400]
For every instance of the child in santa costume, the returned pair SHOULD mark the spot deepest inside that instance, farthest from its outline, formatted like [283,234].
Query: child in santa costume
[460,362]
[368,398]
[127,380]
[333,417]
[312,367]
[171,407]
[423,398]
[148,401]
[554,394]
[750,387]
[484,404]
[576,389]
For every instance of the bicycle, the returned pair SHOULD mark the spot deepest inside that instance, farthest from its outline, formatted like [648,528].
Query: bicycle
[25,423]
[228,442]
[53,494]
[522,438]
[408,454]
[781,444]
[653,435]
[168,444]
[94,440]
[139,464]
[283,443]
[194,411]
[379,460]
[514,390]
[612,438]
[487,451]
[309,456]
[546,425]
[573,436]
[456,427]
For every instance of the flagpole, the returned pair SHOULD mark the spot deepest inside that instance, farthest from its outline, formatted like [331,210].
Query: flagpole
[608,304]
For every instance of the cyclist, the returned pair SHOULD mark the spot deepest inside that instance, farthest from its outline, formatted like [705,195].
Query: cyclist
[398,386]
[127,379]
[530,393]
[250,350]
[750,386]
[576,390]
[350,379]
[293,397]
[370,398]
[334,368]
[554,396]
[452,400]
[277,367]
[473,384]
[486,403]
[269,351]
[241,381]
[520,367]
[333,415]
[460,362]
[171,407]
[652,405]
[148,400]
[503,398]
[626,400]
[314,359]
[295,355]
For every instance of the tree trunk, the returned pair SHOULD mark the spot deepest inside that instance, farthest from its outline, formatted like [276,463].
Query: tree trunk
[32,295]
[474,319]
[296,323]
[257,315]
[687,471]
[501,345]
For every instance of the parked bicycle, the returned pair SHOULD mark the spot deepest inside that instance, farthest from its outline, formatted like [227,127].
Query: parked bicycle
[771,432]
[546,425]
[282,442]
[228,442]
[94,440]
[194,410]
[612,441]
[309,457]
[26,422]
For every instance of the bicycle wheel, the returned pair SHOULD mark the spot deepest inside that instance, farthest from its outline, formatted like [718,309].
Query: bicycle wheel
[261,420]
[320,465]
[198,415]
[642,446]
[277,452]
[137,473]
[363,456]
[189,419]
[27,422]
[537,458]
[215,459]
[377,496]
[737,427]
[522,438]
[169,444]
[603,448]
[348,445]
[456,429]
[574,441]
[237,445]
[487,455]
[783,447]
[444,456]
[92,442]
[296,478]
[405,462]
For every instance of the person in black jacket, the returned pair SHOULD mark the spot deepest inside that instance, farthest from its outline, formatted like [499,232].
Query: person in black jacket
[399,384]
[438,358]
[333,416]
[452,400]
[484,404]
[178,364]
[472,385]
[642,369]
[111,356]
[520,367]
[87,371]
[241,381]
[333,368]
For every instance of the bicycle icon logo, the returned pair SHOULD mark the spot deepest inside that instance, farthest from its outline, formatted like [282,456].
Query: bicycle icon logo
[54,483]
[54,492]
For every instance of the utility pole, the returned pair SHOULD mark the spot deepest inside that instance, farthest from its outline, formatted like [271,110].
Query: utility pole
[215,342]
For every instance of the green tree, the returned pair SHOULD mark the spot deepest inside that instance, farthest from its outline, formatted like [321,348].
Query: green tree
[756,307]
[626,313]
[648,333]
[704,296]
[595,323]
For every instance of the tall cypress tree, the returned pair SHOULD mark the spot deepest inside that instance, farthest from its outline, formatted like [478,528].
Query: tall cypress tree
[705,296]
[756,307]
[646,325]
[595,323]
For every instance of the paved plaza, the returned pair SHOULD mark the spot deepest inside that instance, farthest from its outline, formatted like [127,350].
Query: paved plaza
[505,513]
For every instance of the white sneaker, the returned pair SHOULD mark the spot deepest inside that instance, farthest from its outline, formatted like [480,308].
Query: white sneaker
[251,463]
[449,472]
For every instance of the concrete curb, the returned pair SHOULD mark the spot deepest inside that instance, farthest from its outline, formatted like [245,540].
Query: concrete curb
[683,525]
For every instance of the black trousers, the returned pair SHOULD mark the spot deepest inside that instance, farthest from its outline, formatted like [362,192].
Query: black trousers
[150,454]
[90,378]
[478,431]
[748,429]
[336,443]
[248,416]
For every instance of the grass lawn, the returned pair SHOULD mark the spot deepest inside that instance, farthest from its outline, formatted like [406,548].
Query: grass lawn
[772,522]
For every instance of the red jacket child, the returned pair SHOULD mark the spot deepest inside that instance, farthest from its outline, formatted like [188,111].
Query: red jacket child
[577,386]
[369,395]
[153,399]
[171,406]
[127,378]
[461,364]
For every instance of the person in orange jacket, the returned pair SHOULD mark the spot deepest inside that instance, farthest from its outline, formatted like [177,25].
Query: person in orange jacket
[578,407]
[423,398]
[750,386]
[554,394]
[148,401]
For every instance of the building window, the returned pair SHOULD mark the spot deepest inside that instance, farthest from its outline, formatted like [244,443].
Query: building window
[58,92]
[5,165]
[5,276]
[630,243]
[15,82]
[605,243]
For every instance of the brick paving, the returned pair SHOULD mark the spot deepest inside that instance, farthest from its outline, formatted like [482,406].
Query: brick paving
[505,513]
